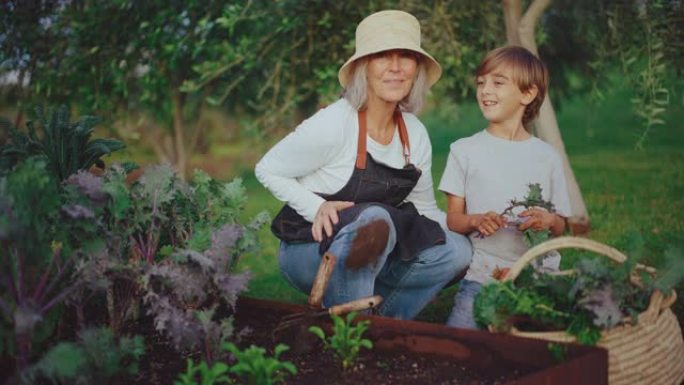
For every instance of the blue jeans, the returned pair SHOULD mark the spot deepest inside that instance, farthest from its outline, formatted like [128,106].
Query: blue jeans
[405,286]
[462,313]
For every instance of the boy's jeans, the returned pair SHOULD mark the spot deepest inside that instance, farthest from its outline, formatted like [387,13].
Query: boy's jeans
[462,314]
[406,286]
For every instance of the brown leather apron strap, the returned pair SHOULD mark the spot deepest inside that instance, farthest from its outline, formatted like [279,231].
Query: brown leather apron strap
[403,136]
[361,147]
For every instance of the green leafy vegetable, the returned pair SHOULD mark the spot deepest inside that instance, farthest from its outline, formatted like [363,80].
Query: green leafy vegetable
[256,368]
[347,338]
[66,146]
[598,296]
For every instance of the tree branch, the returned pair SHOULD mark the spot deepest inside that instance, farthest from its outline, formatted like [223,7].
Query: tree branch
[512,12]
[529,22]
[178,132]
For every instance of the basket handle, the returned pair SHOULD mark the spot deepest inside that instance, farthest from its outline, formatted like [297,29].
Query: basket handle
[657,304]
[563,243]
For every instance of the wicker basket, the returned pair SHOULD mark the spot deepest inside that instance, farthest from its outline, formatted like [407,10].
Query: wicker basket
[650,352]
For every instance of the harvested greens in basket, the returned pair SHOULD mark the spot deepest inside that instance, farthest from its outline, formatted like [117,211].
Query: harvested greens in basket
[598,295]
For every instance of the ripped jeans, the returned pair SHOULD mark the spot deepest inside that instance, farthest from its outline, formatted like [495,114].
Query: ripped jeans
[406,286]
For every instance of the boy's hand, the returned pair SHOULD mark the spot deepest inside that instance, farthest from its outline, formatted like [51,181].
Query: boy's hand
[488,223]
[538,219]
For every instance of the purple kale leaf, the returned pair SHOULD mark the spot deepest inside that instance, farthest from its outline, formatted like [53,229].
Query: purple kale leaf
[601,303]
[223,242]
[231,285]
[177,324]
[90,186]
[76,211]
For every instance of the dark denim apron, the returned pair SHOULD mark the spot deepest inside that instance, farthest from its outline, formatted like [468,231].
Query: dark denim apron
[372,183]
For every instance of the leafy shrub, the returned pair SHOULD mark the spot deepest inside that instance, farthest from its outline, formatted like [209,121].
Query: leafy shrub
[177,243]
[95,358]
[66,146]
[256,369]
[346,340]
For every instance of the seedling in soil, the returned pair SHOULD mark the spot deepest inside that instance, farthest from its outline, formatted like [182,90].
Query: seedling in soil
[255,368]
[216,374]
[346,340]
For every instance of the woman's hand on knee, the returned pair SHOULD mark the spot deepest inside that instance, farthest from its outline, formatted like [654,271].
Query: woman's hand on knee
[327,217]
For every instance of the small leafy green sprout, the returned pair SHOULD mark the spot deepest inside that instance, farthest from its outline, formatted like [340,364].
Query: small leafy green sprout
[533,198]
[216,374]
[346,339]
[257,369]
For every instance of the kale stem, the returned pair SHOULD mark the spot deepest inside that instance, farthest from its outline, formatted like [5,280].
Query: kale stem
[552,310]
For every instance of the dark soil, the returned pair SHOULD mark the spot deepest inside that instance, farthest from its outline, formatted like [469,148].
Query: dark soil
[162,364]
[319,366]
[315,365]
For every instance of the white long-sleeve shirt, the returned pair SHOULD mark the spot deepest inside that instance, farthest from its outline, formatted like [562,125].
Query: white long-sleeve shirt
[319,156]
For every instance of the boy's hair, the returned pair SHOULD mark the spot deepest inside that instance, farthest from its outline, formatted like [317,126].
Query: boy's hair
[527,69]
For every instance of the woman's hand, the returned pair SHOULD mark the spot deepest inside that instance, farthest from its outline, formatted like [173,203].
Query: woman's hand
[538,219]
[327,217]
[488,223]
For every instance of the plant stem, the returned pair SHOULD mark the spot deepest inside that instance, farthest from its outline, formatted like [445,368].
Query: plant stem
[57,278]
[40,293]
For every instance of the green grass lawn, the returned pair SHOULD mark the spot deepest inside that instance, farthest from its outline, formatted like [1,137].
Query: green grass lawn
[626,190]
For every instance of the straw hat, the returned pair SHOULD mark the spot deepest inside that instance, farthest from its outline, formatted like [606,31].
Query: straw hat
[387,30]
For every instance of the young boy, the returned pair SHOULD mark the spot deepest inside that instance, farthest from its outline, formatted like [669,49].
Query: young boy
[485,171]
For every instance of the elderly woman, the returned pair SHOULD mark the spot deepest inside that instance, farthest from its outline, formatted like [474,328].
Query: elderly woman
[357,182]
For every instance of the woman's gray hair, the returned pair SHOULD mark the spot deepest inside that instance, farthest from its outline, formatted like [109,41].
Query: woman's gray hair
[356,92]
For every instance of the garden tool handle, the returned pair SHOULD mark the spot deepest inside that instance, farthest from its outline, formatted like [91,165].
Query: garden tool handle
[356,305]
[325,269]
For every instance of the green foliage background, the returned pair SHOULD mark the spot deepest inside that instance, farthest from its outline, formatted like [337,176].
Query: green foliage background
[218,82]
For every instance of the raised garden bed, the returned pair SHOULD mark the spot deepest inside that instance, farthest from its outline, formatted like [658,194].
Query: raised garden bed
[405,352]
[408,352]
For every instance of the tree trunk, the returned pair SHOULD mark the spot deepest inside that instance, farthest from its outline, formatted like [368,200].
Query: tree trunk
[520,31]
[179,134]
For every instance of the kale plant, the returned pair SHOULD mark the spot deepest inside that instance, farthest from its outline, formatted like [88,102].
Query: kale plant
[347,338]
[173,243]
[185,292]
[255,368]
[115,269]
[66,146]
[195,286]
[39,251]
[97,357]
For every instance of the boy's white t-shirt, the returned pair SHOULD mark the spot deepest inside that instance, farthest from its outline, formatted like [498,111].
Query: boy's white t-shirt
[489,172]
